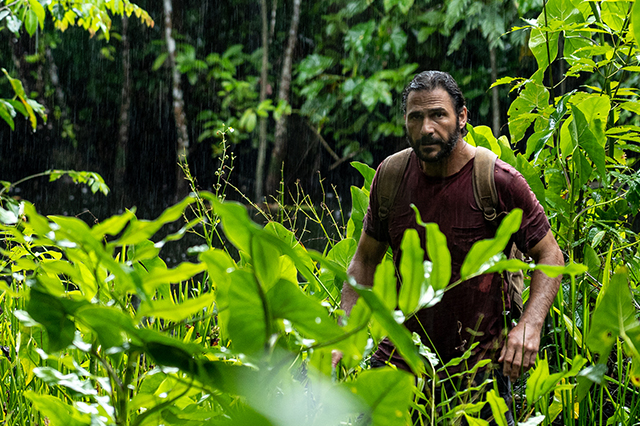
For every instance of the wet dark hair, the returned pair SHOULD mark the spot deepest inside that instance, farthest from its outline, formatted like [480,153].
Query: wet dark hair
[430,80]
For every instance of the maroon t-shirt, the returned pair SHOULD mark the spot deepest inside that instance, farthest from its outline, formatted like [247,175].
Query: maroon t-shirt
[476,305]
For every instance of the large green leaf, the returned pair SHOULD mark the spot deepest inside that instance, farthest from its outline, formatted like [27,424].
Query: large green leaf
[440,257]
[366,172]
[614,14]
[51,312]
[533,96]
[141,230]
[587,139]
[544,46]
[360,202]
[635,21]
[180,273]
[220,265]
[412,272]
[176,312]
[483,251]
[532,176]
[288,238]
[113,329]
[58,412]
[483,136]
[71,381]
[236,224]
[287,301]
[540,382]
[386,393]
[498,407]
[384,286]
[249,320]
[615,316]
[266,262]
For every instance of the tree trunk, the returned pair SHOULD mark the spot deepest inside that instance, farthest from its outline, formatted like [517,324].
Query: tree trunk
[272,27]
[182,142]
[125,105]
[495,96]
[280,137]
[264,75]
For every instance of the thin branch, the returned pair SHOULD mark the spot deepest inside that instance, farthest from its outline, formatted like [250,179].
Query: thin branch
[345,158]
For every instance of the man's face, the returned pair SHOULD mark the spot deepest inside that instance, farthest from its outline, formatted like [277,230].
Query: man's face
[433,127]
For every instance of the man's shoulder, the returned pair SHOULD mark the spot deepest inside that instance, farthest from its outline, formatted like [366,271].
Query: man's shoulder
[506,174]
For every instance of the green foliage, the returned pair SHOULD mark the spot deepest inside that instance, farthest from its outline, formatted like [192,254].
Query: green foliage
[580,160]
[129,333]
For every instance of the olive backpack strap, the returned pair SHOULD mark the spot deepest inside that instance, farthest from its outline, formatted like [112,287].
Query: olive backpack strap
[389,179]
[486,195]
[484,184]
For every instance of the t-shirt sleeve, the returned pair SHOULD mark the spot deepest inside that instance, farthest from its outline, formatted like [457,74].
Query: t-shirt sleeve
[516,193]
[372,224]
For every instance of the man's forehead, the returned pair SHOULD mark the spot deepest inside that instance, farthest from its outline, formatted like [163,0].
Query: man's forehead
[431,99]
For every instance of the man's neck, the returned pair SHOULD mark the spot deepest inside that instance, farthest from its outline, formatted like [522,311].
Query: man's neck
[461,154]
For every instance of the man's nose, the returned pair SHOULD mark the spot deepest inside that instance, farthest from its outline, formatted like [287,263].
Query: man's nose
[427,126]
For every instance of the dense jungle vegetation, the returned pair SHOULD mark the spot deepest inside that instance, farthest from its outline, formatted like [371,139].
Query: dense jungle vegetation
[179,107]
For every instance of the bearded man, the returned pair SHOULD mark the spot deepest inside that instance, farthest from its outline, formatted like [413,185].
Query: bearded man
[438,181]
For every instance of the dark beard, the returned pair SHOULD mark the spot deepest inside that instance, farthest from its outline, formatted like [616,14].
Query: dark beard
[447,147]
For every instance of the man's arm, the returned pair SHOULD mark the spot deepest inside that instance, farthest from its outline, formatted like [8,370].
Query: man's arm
[362,267]
[521,348]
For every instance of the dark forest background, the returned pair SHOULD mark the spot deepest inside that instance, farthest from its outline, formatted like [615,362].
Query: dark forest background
[349,64]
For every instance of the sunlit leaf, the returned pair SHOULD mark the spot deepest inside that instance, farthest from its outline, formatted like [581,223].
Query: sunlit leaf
[288,302]
[265,261]
[440,257]
[483,251]
[31,22]
[71,381]
[384,286]
[366,172]
[52,313]
[57,411]
[498,407]
[182,272]
[39,11]
[614,317]
[169,310]
[386,393]
[635,21]
[248,321]
[412,271]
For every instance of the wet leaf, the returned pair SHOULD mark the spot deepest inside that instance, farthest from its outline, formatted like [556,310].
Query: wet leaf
[366,172]
[615,317]
[176,312]
[386,393]
[57,411]
[476,261]
[440,257]
[287,301]
[248,314]
[412,272]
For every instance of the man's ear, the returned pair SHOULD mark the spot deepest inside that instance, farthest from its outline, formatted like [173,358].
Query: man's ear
[462,118]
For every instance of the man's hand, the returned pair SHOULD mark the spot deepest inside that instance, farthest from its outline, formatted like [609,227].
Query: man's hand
[520,350]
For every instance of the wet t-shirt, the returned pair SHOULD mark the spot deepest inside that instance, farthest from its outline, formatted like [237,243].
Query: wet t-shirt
[472,311]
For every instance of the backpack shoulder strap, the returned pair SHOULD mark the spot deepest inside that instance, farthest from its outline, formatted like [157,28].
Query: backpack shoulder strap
[484,184]
[389,179]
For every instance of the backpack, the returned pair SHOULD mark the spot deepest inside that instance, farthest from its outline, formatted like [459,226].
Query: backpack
[486,196]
